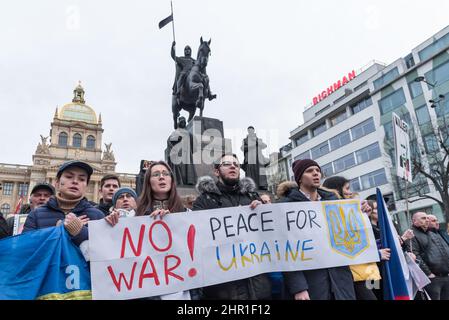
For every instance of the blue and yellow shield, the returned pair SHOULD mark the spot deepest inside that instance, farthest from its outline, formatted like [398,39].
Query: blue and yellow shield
[347,229]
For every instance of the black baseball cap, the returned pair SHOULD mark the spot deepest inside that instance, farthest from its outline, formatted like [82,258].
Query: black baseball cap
[74,163]
[43,185]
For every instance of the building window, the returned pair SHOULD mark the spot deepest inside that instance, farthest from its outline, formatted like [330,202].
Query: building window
[320,150]
[300,140]
[62,141]
[431,143]
[319,129]
[7,188]
[355,185]
[302,156]
[23,189]
[340,141]
[344,163]
[374,179]
[361,105]
[77,140]
[409,61]
[327,170]
[367,154]
[422,114]
[386,78]
[442,107]
[392,101]
[5,209]
[415,89]
[430,50]
[90,144]
[363,129]
[439,75]
[338,118]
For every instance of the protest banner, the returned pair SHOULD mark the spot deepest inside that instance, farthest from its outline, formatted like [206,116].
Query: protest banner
[143,257]
[19,222]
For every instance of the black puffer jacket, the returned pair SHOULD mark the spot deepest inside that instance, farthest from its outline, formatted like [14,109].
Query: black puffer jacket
[432,252]
[323,284]
[214,196]
[4,230]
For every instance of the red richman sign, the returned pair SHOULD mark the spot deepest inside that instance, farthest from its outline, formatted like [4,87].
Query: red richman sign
[337,85]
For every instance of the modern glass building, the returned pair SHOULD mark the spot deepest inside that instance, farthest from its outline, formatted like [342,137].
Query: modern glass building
[348,130]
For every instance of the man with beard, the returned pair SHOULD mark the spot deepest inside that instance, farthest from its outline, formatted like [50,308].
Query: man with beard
[231,191]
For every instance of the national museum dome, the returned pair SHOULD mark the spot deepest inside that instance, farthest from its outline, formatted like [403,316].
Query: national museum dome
[78,110]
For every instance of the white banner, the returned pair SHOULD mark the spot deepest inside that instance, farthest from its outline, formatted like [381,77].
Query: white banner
[143,257]
[402,148]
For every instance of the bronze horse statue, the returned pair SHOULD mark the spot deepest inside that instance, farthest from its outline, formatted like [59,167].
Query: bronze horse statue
[195,88]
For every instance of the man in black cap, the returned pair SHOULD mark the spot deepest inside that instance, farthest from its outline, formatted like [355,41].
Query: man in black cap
[40,194]
[69,205]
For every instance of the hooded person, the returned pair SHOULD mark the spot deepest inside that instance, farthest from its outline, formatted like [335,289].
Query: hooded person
[231,191]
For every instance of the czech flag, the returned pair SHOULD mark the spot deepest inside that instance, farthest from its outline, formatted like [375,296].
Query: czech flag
[43,264]
[395,271]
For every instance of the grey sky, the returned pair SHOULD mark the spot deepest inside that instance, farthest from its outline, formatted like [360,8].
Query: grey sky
[269,58]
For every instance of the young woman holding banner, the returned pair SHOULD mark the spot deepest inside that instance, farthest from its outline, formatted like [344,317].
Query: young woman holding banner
[158,198]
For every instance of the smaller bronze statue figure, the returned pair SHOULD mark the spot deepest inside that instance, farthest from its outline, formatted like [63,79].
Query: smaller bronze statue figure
[254,163]
[180,154]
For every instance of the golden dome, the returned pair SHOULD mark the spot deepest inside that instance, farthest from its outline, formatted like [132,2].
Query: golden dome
[78,112]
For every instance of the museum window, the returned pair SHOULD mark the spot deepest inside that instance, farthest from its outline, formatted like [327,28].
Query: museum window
[62,141]
[77,140]
[5,209]
[90,144]
[23,189]
[7,188]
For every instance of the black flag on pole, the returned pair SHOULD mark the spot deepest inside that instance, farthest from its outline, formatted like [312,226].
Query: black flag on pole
[166,21]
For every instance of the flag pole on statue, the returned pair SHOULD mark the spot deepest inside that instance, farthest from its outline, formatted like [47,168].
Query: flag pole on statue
[167,20]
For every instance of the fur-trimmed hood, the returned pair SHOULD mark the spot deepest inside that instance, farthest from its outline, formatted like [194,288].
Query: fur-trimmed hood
[207,184]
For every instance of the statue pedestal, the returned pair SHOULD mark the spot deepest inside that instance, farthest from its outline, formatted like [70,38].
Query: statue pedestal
[209,143]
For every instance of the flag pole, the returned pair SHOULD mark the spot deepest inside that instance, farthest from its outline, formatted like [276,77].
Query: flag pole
[173,21]
[409,220]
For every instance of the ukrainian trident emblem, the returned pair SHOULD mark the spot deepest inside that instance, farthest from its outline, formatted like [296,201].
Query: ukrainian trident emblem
[347,230]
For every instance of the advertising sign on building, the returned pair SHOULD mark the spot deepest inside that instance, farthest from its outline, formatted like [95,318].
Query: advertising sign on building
[402,148]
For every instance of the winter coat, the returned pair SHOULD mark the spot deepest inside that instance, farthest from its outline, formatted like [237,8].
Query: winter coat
[216,195]
[4,229]
[49,214]
[431,251]
[104,207]
[322,284]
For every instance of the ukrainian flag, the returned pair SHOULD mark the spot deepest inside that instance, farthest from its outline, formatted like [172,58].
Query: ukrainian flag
[43,264]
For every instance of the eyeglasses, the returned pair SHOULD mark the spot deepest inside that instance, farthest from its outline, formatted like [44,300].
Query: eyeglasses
[227,164]
[158,174]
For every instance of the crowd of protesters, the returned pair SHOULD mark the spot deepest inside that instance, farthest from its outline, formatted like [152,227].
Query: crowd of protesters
[67,205]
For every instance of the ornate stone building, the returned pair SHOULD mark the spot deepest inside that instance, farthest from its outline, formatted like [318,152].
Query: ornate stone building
[76,133]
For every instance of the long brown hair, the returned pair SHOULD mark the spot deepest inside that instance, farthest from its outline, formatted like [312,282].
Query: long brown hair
[146,197]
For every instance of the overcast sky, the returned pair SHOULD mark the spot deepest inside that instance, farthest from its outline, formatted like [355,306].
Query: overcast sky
[269,59]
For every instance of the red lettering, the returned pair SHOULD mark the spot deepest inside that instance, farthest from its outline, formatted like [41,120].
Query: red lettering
[168,271]
[351,75]
[315,101]
[324,94]
[345,80]
[118,284]
[337,85]
[330,90]
[127,235]
[163,224]
[152,274]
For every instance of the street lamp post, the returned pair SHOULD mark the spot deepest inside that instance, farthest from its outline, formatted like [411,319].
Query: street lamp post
[435,103]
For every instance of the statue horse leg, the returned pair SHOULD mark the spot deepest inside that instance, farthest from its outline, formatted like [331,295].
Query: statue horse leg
[176,108]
